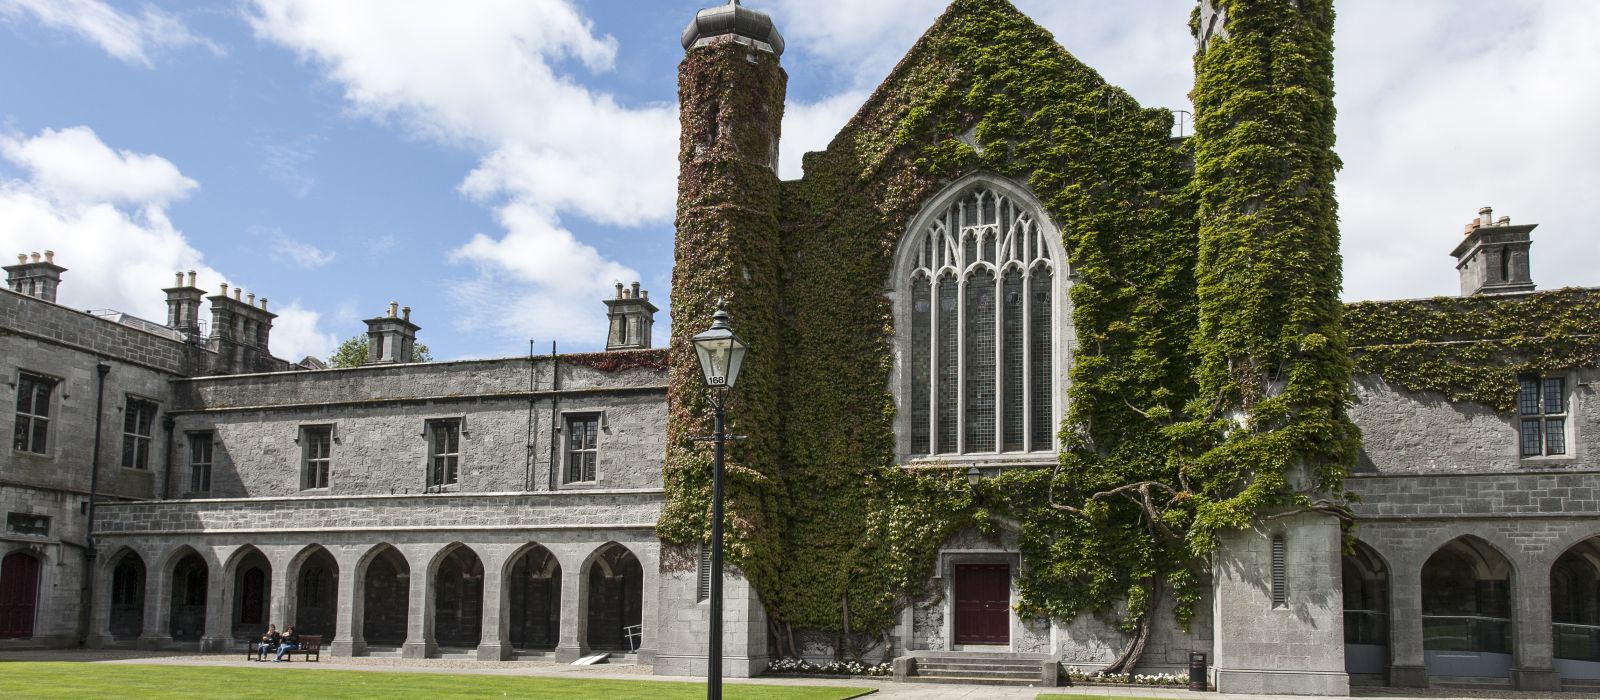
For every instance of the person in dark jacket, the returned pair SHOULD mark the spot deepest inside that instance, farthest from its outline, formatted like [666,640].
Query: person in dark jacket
[268,643]
[290,641]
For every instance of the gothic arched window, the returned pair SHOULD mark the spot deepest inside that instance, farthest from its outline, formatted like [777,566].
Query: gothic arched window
[980,306]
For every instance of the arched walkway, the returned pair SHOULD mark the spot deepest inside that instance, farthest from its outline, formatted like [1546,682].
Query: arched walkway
[1366,611]
[19,594]
[190,581]
[1466,610]
[458,598]
[252,594]
[316,609]
[616,599]
[385,598]
[533,590]
[127,596]
[1575,610]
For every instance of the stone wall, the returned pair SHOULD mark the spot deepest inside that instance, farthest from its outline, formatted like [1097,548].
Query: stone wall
[62,327]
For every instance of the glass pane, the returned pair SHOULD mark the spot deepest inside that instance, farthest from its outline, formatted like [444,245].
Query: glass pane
[1528,398]
[130,418]
[1555,436]
[949,365]
[1531,443]
[19,441]
[41,399]
[1011,347]
[40,427]
[1555,395]
[980,377]
[25,394]
[1040,378]
[921,336]
[127,451]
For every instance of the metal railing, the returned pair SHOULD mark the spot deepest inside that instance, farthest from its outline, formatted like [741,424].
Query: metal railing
[1466,633]
[1578,642]
[1366,627]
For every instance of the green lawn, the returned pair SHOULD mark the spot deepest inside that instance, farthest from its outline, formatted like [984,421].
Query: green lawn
[103,680]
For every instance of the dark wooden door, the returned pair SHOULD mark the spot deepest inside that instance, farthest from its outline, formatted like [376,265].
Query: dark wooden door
[983,604]
[19,595]
[254,597]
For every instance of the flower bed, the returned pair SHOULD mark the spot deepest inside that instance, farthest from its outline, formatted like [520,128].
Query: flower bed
[832,668]
[1080,676]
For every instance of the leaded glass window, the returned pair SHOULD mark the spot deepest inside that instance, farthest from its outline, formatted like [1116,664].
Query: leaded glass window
[1542,405]
[980,339]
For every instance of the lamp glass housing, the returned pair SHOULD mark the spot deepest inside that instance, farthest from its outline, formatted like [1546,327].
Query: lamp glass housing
[721,354]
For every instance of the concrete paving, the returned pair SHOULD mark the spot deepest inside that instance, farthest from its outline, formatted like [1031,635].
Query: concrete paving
[883,687]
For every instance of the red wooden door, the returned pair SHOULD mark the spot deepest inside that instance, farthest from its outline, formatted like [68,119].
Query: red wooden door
[19,594]
[983,604]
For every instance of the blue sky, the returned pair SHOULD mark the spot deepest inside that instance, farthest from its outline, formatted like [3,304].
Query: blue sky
[497,164]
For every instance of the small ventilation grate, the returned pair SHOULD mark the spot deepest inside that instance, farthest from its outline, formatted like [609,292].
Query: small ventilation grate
[1280,574]
[703,587]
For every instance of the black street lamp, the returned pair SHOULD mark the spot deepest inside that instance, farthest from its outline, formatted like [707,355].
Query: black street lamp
[721,354]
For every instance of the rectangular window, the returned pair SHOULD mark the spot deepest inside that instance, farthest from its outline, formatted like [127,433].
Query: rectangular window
[28,524]
[1542,403]
[1280,573]
[200,451]
[138,422]
[583,436]
[444,453]
[316,445]
[33,413]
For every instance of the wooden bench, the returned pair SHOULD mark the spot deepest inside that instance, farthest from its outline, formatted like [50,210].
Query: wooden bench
[310,647]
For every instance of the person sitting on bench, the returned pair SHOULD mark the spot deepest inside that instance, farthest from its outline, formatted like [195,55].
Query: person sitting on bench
[290,641]
[269,642]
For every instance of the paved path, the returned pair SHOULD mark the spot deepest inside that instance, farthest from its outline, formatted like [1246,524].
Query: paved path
[886,689]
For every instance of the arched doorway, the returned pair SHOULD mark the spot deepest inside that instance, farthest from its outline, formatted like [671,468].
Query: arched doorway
[127,596]
[1466,611]
[534,593]
[190,581]
[1575,610]
[1366,611]
[252,594]
[458,599]
[316,609]
[616,599]
[385,598]
[19,595]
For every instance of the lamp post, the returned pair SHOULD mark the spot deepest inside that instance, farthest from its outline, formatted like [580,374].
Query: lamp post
[721,354]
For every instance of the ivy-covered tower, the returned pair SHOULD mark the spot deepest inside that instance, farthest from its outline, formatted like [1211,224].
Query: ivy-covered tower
[731,90]
[1273,364]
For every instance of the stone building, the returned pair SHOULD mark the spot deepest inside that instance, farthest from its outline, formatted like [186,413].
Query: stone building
[174,486]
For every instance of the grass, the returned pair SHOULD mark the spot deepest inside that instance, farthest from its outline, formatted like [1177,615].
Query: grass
[103,680]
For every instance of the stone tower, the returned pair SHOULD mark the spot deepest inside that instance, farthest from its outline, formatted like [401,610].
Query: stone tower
[631,317]
[1493,258]
[731,90]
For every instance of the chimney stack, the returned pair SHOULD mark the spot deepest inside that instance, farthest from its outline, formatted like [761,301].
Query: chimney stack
[391,339]
[35,276]
[1493,257]
[183,307]
[631,317]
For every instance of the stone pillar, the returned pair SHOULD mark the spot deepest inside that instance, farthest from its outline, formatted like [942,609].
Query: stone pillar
[650,610]
[1534,666]
[281,603]
[350,641]
[495,642]
[685,621]
[219,604]
[1407,664]
[1294,647]
[157,633]
[100,608]
[419,617]
[574,608]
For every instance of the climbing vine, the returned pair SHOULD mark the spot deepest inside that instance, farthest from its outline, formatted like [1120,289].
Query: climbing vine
[1473,349]
[1183,420]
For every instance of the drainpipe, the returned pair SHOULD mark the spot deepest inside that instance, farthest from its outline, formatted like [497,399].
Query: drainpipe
[555,412]
[89,553]
[167,424]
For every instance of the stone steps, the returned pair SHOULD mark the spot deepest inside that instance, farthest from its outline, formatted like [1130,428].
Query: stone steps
[1469,683]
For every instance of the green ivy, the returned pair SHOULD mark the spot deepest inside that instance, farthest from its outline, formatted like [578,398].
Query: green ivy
[1473,349]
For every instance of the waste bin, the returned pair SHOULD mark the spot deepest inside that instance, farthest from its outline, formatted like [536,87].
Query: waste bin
[1197,671]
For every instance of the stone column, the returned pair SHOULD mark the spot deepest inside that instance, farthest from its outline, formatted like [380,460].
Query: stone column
[157,632]
[495,643]
[650,559]
[1407,666]
[100,609]
[574,608]
[219,602]
[1534,660]
[350,641]
[280,603]
[419,616]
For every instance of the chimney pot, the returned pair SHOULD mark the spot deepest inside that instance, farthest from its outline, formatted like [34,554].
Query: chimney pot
[50,256]
[1486,216]
[22,258]
[36,256]
[191,278]
[224,289]
[636,289]
[619,290]
[263,303]
[646,294]
[1503,221]
[237,293]
[252,298]
[406,313]
[394,309]
[179,282]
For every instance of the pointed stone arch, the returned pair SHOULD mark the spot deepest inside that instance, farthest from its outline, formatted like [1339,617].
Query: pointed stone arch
[314,573]
[1575,610]
[533,598]
[613,582]
[1466,609]
[190,575]
[1366,577]
[457,572]
[125,597]
[384,596]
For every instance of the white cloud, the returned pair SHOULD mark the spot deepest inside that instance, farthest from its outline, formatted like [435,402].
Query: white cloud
[488,81]
[125,37]
[300,253]
[297,332]
[810,126]
[74,165]
[287,165]
[103,213]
